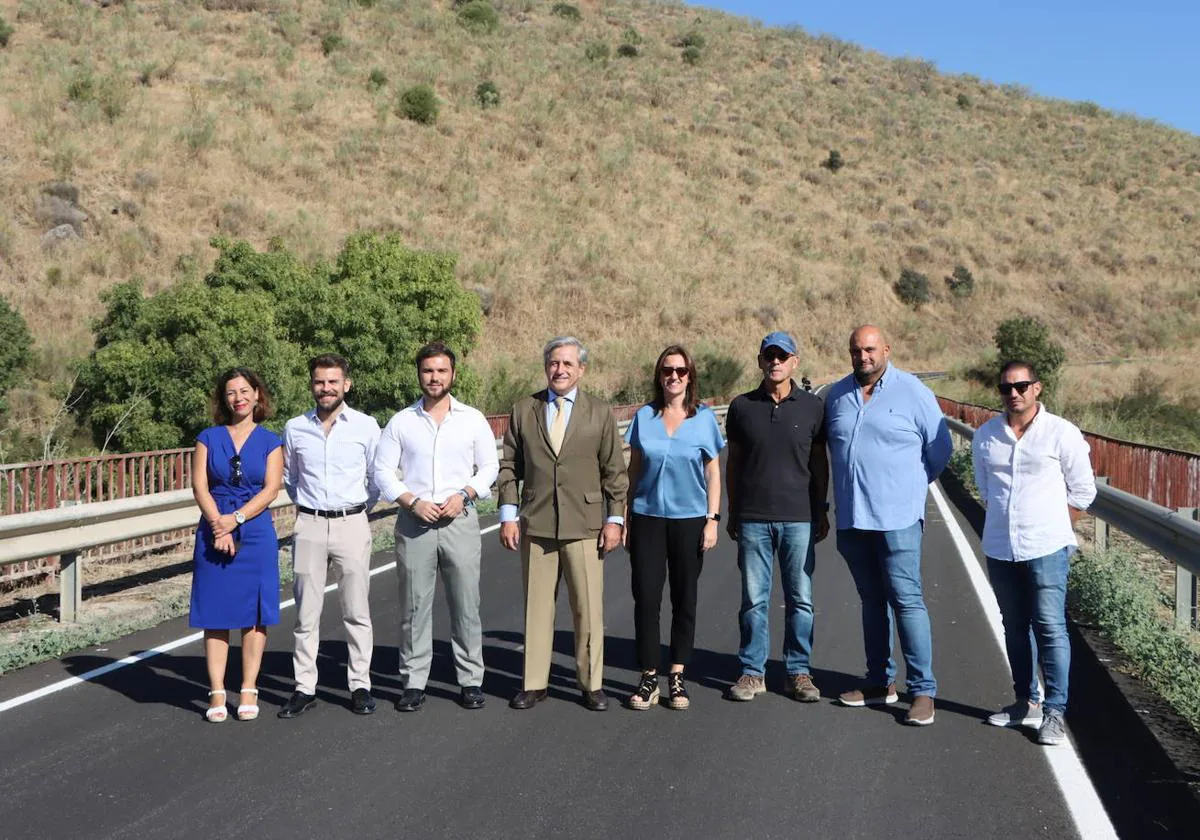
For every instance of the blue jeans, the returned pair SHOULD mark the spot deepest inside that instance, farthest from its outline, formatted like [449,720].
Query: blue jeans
[886,567]
[1033,603]
[758,543]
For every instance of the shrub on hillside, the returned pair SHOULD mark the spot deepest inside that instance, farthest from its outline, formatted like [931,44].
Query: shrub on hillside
[717,376]
[597,51]
[376,80]
[6,32]
[912,288]
[961,282]
[1026,337]
[631,36]
[418,103]
[834,162]
[146,384]
[478,16]
[504,386]
[16,345]
[487,94]
[332,42]
[627,51]
[691,39]
[691,55]
[566,11]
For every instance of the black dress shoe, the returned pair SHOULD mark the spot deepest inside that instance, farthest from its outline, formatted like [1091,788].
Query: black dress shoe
[412,700]
[297,704]
[361,702]
[471,697]
[595,701]
[527,699]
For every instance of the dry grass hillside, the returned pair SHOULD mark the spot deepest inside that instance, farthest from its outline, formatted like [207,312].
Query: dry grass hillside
[631,200]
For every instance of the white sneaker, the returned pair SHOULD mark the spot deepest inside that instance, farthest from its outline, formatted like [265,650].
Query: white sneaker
[1022,713]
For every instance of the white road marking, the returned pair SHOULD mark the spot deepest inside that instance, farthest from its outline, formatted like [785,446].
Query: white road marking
[1091,820]
[61,685]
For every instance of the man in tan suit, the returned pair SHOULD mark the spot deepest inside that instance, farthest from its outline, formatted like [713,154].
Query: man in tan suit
[564,446]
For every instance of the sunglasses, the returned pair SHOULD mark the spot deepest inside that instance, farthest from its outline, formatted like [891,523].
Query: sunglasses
[235,465]
[667,370]
[776,356]
[1007,388]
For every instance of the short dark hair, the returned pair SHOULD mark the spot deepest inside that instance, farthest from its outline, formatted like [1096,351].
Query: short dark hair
[328,360]
[436,348]
[262,410]
[659,402]
[1013,364]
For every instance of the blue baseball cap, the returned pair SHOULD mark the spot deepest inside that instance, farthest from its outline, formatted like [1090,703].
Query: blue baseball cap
[781,340]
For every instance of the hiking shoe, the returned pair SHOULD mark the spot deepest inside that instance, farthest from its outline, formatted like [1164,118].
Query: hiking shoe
[1022,713]
[800,687]
[747,687]
[1053,730]
[921,711]
[647,692]
[678,691]
[873,695]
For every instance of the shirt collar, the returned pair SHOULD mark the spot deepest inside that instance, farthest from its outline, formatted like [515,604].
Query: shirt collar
[311,414]
[569,396]
[762,390]
[419,406]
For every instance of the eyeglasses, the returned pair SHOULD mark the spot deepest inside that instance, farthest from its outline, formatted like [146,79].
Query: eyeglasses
[235,465]
[667,370]
[1007,388]
[776,355]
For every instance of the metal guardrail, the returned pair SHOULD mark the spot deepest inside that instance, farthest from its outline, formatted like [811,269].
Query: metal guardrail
[1173,534]
[67,531]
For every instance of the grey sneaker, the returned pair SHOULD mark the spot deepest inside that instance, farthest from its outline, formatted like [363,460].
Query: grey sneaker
[747,687]
[1053,730]
[801,687]
[1022,713]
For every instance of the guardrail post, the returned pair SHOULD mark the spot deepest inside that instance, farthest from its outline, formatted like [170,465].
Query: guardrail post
[1100,538]
[70,586]
[1185,586]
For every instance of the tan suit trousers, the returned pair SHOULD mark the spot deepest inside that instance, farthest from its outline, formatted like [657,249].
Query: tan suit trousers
[343,543]
[544,562]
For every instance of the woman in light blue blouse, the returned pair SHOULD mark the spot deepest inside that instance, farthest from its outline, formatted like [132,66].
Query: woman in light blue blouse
[675,499]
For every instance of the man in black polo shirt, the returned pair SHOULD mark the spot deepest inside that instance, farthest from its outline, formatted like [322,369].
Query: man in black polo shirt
[776,481]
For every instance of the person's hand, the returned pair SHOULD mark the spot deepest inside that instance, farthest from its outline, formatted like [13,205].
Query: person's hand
[732,529]
[821,531]
[427,511]
[453,506]
[510,535]
[610,537]
[709,539]
[225,544]
[224,525]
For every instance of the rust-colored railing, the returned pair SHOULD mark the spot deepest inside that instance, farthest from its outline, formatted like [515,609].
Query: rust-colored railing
[1166,477]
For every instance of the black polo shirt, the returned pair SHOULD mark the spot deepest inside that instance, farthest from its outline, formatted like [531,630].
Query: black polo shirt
[775,442]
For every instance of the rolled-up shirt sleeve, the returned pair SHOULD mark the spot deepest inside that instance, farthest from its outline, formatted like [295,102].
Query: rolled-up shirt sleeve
[1075,458]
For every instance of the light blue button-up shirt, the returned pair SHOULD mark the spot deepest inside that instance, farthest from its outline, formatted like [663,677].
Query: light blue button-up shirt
[885,452]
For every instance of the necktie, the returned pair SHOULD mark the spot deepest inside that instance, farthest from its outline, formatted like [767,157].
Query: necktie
[558,428]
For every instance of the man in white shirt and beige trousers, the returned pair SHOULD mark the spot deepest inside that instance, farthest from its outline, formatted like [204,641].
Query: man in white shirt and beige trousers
[446,452]
[1035,479]
[329,456]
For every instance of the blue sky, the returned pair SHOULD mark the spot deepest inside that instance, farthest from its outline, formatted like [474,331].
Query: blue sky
[1140,58]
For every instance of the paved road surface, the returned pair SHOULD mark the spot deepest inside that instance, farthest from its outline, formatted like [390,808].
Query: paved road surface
[128,755]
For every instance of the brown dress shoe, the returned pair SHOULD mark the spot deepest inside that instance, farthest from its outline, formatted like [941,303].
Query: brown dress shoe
[595,701]
[527,699]
[921,712]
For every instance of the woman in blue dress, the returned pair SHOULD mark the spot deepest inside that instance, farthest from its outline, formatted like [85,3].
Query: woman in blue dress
[674,507]
[237,472]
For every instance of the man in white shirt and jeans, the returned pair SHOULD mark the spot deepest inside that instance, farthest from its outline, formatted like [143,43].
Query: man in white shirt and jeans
[329,455]
[1035,479]
[446,452]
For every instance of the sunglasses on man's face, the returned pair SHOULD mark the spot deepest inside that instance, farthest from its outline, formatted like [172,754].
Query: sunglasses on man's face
[667,370]
[776,356]
[235,466]
[1007,388]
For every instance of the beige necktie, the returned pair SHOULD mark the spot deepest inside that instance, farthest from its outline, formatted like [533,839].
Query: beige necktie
[558,428]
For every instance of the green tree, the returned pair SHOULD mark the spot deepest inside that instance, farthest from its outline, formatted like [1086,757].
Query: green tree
[16,345]
[1027,338]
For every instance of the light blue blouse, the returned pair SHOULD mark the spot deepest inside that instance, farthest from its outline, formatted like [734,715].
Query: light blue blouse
[671,484]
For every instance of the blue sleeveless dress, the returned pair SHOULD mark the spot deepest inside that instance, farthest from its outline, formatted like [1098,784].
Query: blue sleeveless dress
[241,590]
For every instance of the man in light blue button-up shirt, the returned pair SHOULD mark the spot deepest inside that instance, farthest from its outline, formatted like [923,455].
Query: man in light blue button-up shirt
[887,441]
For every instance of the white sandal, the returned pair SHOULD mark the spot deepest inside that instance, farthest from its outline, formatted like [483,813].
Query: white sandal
[248,711]
[216,714]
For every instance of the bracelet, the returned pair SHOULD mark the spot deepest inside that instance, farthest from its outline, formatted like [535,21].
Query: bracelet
[412,506]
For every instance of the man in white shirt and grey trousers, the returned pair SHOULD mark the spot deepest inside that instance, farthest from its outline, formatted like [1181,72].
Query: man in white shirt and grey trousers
[446,452]
[329,453]
[1035,479]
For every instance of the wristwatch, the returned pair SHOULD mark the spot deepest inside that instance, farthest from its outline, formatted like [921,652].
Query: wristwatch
[412,506]
[715,517]
[239,517]
[466,496]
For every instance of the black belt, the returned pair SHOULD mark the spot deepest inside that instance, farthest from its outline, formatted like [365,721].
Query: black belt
[332,514]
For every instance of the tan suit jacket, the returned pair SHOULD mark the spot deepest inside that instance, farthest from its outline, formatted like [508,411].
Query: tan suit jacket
[568,496]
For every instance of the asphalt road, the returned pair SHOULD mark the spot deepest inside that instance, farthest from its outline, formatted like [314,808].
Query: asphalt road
[129,755]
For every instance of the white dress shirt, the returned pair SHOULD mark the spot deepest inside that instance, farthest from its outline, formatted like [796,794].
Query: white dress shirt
[436,461]
[1026,485]
[331,472]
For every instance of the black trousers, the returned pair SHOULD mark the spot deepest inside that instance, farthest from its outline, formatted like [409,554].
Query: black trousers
[660,549]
